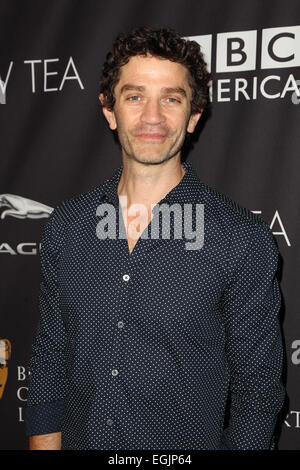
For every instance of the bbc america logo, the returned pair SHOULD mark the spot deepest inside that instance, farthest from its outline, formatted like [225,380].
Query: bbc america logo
[237,51]
[249,51]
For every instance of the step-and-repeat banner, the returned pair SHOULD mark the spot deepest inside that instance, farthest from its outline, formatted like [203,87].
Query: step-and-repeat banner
[55,144]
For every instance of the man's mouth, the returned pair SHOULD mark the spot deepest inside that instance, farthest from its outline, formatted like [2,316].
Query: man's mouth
[150,136]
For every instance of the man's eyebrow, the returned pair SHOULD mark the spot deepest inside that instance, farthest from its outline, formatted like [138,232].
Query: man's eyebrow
[128,87]
[171,90]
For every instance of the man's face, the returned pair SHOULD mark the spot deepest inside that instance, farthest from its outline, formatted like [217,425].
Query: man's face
[152,109]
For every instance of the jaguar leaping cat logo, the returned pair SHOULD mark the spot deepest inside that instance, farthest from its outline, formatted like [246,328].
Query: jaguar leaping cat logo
[23,208]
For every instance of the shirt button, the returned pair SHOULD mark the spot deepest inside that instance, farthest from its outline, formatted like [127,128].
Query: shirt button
[126,277]
[120,324]
[109,422]
[114,372]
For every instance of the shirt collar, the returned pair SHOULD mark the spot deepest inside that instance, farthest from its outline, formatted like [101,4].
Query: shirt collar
[183,192]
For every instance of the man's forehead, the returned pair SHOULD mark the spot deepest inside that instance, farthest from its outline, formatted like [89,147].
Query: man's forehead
[139,69]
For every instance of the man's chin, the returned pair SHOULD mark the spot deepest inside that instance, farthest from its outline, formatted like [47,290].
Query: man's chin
[151,160]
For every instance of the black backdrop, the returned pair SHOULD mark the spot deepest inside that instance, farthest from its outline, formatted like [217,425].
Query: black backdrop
[55,144]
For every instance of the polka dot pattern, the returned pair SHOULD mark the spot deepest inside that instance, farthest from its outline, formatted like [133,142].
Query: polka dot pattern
[142,350]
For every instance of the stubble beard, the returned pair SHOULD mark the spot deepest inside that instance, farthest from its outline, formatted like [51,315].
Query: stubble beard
[128,148]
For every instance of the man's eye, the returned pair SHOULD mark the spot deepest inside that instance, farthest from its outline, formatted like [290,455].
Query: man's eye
[173,100]
[133,98]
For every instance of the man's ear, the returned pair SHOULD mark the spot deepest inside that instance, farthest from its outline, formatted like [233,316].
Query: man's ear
[194,118]
[109,114]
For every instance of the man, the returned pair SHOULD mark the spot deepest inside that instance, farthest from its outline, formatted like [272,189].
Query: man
[142,339]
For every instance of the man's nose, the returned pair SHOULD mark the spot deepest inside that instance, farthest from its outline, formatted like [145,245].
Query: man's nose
[152,112]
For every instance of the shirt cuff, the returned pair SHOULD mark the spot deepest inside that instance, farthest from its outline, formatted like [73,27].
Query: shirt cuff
[44,418]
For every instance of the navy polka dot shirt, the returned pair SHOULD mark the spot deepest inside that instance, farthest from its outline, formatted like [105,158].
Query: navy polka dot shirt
[142,350]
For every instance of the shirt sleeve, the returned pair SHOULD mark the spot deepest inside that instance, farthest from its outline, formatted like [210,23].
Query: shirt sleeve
[254,350]
[45,403]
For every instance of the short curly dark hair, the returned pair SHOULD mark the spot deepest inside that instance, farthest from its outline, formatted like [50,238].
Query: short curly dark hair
[165,43]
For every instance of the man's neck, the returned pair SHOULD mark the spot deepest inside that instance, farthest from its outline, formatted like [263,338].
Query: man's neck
[148,184]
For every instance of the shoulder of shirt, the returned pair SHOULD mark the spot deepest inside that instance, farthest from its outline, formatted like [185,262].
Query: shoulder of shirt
[239,228]
[69,209]
[236,224]
[225,210]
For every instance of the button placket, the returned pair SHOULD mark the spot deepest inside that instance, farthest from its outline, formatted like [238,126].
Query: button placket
[119,338]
